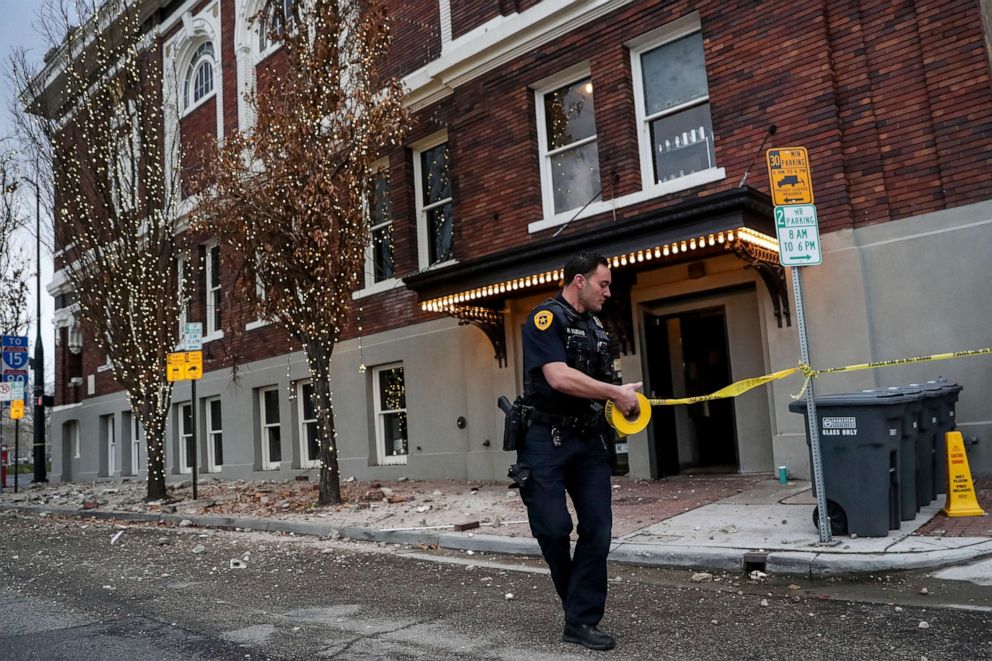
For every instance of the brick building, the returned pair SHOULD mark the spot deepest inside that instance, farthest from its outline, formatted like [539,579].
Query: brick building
[632,128]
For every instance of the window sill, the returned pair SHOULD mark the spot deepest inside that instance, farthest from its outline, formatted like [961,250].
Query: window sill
[394,461]
[258,323]
[196,104]
[649,193]
[377,288]
[438,265]
[216,335]
[105,368]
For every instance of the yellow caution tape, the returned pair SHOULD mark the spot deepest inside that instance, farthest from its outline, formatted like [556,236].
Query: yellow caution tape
[625,426]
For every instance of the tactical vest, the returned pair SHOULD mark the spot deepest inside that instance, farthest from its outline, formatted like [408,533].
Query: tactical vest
[587,348]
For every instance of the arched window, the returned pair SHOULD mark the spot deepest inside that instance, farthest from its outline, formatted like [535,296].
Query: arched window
[275,20]
[199,75]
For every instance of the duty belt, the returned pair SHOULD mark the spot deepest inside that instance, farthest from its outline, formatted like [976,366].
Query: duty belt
[563,421]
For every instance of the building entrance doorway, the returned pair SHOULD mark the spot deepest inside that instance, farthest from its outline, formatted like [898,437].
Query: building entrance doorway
[687,354]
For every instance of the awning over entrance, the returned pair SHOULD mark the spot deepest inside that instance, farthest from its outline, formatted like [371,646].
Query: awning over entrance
[737,221]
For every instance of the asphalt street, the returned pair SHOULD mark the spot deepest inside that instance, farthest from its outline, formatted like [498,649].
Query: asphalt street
[76,589]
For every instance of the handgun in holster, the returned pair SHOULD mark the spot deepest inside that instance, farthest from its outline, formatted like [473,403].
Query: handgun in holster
[515,425]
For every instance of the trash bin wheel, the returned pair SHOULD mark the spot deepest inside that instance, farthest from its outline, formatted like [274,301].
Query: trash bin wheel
[838,519]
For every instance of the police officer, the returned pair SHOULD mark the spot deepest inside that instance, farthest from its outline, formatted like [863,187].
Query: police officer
[568,374]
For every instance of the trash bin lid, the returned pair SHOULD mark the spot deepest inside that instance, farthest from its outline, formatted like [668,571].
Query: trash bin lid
[931,388]
[872,397]
[948,386]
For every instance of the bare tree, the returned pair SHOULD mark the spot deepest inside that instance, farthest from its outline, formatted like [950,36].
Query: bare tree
[291,197]
[94,116]
[13,263]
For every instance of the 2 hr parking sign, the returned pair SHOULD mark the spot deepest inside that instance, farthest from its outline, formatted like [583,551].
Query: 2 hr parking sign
[798,235]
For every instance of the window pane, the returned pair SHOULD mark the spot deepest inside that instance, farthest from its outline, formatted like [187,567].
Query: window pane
[187,416]
[190,451]
[215,266]
[394,426]
[271,412]
[204,80]
[309,412]
[382,209]
[313,441]
[218,449]
[434,168]
[215,415]
[382,253]
[275,446]
[439,231]
[392,390]
[569,114]
[575,176]
[682,143]
[674,73]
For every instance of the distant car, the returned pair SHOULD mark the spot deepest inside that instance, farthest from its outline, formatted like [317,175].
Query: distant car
[24,461]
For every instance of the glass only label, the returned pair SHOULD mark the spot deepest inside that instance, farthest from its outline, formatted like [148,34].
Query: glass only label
[839,427]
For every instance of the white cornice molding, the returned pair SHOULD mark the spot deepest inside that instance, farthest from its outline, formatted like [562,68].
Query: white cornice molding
[497,42]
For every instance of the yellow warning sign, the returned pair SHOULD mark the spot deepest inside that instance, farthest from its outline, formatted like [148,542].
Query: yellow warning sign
[789,176]
[184,365]
[16,409]
[961,499]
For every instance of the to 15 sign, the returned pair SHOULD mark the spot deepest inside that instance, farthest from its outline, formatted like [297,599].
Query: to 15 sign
[798,235]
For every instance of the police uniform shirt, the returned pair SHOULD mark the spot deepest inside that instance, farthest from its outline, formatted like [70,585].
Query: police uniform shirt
[544,339]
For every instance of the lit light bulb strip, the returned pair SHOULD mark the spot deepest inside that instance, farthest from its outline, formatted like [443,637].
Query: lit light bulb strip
[725,238]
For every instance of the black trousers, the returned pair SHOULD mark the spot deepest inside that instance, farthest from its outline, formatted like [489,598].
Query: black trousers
[579,466]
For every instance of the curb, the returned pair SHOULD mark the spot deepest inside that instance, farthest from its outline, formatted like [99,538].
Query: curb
[803,563]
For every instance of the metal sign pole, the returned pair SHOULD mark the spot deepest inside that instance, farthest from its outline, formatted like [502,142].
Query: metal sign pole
[196,446]
[811,417]
[17,450]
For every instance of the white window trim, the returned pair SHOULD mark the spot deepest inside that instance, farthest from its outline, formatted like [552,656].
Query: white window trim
[111,442]
[191,107]
[252,325]
[212,465]
[418,148]
[541,89]
[380,441]
[208,272]
[183,298]
[75,442]
[183,468]
[135,444]
[271,47]
[683,27]
[387,284]
[267,463]
[304,450]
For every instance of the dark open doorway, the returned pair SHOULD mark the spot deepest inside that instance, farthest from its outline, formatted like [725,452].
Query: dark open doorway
[687,354]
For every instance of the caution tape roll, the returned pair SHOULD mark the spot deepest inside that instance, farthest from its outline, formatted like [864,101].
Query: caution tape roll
[626,427]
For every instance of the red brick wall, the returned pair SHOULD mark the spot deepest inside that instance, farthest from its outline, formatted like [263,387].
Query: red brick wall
[416,29]
[469,14]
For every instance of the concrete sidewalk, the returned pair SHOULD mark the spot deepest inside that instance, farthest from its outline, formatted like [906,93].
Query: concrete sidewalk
[732,522]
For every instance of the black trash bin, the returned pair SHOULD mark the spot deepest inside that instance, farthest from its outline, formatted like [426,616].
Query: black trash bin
[860,438]
[930,442]
[945,423]
[908,500]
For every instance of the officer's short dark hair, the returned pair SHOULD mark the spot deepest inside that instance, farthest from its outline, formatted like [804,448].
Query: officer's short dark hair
[585,262]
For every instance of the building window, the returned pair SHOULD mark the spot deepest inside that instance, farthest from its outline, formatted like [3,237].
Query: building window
[75,441]
[187,443]
[111,441]
[309,440]
[268,401]
[212,282]
[432,170]
[135,445]
[389,394]
[280,13]
[673,110]
[215,437]
[379,264]
[183,294]
[568,147]
[199,76]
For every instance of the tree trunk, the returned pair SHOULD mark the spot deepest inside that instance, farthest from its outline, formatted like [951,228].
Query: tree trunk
[152,416]
[330,474]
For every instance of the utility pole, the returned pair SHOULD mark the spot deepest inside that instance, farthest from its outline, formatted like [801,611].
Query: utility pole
[40,467]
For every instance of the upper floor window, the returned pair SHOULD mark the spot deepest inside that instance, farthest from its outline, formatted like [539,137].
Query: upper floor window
[280,12]
[212,288]
[568,147]
[199,76]
[432,170]
[673,109]
[379,265]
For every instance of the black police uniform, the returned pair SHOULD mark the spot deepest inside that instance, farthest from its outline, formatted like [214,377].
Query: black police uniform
[565,449]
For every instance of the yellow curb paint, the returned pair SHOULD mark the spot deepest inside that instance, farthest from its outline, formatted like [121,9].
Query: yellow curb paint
[961,499]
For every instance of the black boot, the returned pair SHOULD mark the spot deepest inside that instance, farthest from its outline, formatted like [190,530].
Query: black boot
[588,636]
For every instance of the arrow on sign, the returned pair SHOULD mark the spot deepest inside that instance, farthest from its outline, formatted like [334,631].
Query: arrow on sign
[806,257]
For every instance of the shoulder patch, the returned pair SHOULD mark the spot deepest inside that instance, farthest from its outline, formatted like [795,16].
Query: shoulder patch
[543,319]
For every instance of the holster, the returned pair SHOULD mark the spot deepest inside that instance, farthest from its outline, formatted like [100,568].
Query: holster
[515,424]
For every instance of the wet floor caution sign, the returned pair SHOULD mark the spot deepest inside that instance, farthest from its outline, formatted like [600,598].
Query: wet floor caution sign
[961,499]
